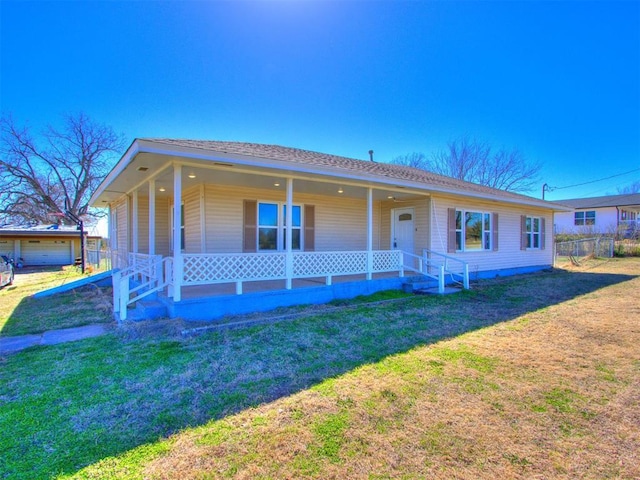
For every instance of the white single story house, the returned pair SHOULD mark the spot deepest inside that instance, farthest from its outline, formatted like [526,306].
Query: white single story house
[611,214]
[43,245]
[203,229]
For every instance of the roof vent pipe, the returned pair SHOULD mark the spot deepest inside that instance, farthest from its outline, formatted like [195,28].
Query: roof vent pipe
[371,155]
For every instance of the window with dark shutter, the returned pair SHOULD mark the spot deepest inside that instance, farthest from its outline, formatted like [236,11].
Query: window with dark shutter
[309,228]
[494,226]
[250,218]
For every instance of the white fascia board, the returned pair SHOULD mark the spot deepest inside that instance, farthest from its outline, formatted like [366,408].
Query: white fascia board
[370,180]
[129,155]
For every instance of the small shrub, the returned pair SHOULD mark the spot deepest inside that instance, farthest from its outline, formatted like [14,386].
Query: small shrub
[627,248]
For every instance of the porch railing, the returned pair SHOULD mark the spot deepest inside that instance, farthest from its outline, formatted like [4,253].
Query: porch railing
[204,268]
[438,266]
[146,274]
[143,276]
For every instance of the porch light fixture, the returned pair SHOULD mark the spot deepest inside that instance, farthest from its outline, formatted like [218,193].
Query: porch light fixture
[276,184]
[340,190]
[162,189]
[390,197]
[192,175]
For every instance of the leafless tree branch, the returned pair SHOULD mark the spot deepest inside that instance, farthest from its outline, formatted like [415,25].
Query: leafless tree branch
[57,173]
[474,161]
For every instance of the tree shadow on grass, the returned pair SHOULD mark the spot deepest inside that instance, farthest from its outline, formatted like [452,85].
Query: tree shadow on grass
[69,406]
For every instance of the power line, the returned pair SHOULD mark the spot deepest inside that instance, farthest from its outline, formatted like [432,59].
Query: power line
[549,189]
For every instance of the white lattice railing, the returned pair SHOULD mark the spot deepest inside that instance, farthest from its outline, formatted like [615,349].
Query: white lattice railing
[204,268]
[322,264]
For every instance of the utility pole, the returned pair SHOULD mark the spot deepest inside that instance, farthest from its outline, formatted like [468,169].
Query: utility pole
[545,188]
[80,224]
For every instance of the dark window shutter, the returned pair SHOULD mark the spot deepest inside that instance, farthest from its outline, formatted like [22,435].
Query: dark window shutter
[451,230]
[494,227]
[250,221]
[542,233]
[309,228]
[523,232]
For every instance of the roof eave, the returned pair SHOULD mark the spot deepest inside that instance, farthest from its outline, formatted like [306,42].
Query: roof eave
[149,146]
[126,159]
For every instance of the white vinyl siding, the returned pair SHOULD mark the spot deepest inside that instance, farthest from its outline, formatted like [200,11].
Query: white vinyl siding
[340,222]
[122,227]
[7,247]
[508,254]
[606,222]
[143,224]
[192,237]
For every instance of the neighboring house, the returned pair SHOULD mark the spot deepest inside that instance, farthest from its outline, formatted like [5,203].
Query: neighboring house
[225,227]
[602,215]
[41,245]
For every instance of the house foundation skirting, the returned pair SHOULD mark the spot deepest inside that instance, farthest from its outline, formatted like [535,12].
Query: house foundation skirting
[212,308]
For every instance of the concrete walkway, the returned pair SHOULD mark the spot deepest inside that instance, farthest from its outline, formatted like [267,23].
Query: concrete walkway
[52,337]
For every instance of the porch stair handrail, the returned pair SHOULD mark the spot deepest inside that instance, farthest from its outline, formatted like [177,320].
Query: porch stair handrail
[148,274]
[443,263]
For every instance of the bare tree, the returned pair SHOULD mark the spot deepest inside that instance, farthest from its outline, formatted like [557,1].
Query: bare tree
[57,174]
[631,188]
[475,161]
[415,160]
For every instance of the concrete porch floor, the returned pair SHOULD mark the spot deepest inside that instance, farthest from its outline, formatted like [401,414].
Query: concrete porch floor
[225,289]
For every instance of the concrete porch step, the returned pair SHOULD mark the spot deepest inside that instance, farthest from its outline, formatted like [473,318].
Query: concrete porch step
[427,286]
[147,310]
[412,285]
[434,291]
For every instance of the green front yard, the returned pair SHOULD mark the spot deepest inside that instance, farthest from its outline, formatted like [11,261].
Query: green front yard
[21,314]
[532,376]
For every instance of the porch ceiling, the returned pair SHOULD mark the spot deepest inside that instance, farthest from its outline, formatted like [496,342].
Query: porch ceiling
[146,166]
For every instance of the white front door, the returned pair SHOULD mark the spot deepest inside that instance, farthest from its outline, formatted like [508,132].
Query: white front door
[403,230]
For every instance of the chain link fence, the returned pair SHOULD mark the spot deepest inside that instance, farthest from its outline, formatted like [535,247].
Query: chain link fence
[575,250]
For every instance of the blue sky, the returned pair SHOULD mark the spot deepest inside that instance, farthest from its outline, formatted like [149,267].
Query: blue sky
[559,81]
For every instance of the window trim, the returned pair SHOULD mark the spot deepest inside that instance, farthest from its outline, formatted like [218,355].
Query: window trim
[528,236]
[584,218]
[280,226]
[487,235]
[183,236]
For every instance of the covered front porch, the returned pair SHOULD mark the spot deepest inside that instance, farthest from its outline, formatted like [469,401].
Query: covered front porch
[191,227]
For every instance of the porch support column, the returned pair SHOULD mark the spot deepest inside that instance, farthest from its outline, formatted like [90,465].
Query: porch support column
[369,233]
[152,217]
[289,233]
[177,233]
[134,221]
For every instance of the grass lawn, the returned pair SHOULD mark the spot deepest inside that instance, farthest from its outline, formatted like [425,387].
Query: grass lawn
[21,314]
[535,376]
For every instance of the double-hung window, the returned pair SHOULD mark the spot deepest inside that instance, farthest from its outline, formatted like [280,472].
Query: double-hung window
[532,233]
[584,218]
[473,231]
[533,229]
[272,228]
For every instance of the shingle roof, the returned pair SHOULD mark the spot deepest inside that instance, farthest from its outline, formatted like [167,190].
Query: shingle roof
[306,157]
[631,199]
